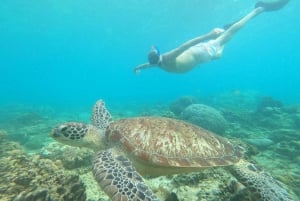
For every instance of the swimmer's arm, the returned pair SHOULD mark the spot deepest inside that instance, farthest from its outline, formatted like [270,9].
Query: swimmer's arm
[211,35]
[138,69]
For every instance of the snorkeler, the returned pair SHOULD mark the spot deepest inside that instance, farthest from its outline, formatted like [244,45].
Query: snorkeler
[203,48]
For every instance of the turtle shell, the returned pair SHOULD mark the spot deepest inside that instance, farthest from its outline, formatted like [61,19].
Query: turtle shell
[174,143]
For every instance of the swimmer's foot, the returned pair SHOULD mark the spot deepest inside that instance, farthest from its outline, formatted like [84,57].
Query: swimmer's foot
[271,6]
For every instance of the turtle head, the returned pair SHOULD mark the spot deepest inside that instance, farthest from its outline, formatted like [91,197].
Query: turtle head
[79,135]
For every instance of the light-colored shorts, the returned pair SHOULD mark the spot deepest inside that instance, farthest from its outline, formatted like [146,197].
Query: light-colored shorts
[207,51]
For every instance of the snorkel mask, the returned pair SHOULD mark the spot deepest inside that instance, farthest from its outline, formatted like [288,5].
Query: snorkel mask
[154,55]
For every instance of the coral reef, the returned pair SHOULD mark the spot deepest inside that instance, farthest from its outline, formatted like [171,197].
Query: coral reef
[268,103]
[50,173]
[282,168]
[294,112]
[207,184]
[29,177]
[181,103]
[70,157]
[261,143]
[271,113]
[276,137]
[206,117]
[236,100]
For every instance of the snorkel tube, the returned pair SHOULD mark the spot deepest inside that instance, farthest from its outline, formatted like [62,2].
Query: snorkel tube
[154,55]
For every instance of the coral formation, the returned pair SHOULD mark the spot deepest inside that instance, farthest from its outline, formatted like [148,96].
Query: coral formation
[181,103]
[207,184]
[270,128]
[234,100]
[28,177]
[267,103]
[206,117]
[70,157]
[261,143]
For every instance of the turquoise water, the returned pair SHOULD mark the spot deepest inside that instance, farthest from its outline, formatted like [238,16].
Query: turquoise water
[74,52]
[58,57]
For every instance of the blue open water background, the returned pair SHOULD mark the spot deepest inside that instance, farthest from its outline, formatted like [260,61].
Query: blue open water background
[59,57]
[67,53]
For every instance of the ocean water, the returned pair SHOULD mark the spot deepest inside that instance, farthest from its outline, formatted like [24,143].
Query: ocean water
[58,57]
[74,52]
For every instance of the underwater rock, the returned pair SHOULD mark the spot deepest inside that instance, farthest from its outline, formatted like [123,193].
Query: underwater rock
[172,197]
[93,192]
[283,134]
[28,118]
[266,103]
[288,149]
[284,168]
[3,135]
[296,119]
[276,119]
[274,116]
[28,177]
[261,143]
[180,104]
[7,146]
[292,109]
[238,117]
[236,99]
[208,184]
[70,157]
[206,117]
[191,178]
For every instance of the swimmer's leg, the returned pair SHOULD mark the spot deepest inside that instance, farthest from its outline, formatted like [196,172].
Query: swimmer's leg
[226,36]
[259,8]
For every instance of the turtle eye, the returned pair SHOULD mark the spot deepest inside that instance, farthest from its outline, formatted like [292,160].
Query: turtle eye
[56,133]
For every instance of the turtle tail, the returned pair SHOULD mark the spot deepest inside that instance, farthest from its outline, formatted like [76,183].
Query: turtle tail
[120,181]
[271,6]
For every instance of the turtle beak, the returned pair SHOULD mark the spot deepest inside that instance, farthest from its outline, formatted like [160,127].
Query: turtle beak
[55,133]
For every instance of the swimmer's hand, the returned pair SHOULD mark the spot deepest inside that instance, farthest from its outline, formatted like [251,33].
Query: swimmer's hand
[137,71]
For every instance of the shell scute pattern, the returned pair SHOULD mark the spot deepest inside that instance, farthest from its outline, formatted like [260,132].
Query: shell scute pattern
[118,179]
[103,117]
[170,142]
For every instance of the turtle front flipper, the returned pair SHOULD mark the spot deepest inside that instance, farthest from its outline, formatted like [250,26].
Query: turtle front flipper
[101,117]
[261,184]
[120,181]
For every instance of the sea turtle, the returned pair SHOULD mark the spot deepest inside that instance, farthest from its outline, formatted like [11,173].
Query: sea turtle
[129,148]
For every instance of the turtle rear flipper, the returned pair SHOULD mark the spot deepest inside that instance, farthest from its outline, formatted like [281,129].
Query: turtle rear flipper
[101,117]
[120,181]
[271,6]
[261,184]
